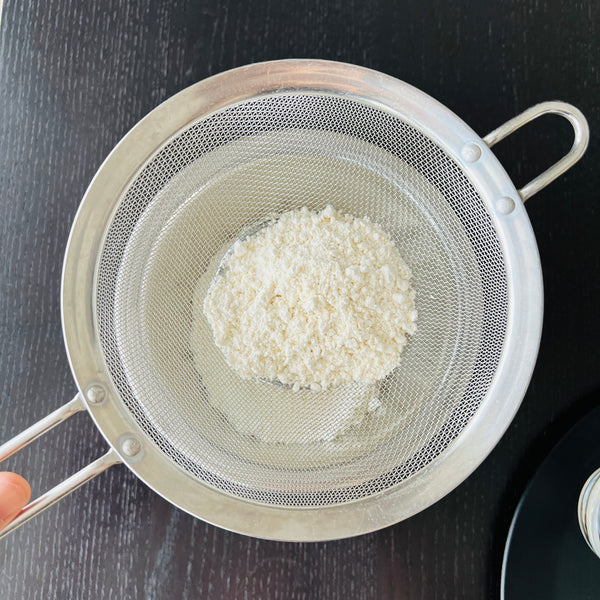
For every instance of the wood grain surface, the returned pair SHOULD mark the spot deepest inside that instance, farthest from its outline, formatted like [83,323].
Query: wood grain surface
[75,76]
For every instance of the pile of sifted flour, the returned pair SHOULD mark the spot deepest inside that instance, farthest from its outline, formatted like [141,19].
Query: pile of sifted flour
[313,300]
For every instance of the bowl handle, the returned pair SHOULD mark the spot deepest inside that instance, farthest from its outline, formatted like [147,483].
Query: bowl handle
[582,136]
[68,485]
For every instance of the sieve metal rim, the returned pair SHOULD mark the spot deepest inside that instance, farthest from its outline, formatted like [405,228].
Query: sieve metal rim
[523,275]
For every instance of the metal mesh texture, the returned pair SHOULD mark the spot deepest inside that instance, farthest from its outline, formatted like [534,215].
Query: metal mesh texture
[237,167]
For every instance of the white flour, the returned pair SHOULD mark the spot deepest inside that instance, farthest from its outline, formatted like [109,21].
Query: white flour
[313,300]
[320,302]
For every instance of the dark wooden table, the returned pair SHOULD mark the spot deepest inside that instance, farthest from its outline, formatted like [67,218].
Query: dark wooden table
[75,76]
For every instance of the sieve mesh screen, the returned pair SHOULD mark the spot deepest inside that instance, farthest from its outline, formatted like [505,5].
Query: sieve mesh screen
[237,167]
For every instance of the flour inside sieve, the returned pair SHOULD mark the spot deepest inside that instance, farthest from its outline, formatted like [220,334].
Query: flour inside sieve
[312,300]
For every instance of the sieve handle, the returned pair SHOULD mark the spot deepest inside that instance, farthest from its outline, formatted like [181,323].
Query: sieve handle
[555,107]
[68,485]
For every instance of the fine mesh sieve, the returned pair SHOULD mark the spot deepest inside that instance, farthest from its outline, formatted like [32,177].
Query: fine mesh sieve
[238,167]
[215,163]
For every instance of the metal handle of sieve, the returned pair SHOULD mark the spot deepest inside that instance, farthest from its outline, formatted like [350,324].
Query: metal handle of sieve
[555,107]
[68,485]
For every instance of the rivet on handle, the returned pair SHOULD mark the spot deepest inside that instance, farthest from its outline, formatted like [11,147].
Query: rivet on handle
[95,394]
[131,446]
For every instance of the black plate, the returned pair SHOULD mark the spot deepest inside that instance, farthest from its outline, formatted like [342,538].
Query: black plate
[546,555]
